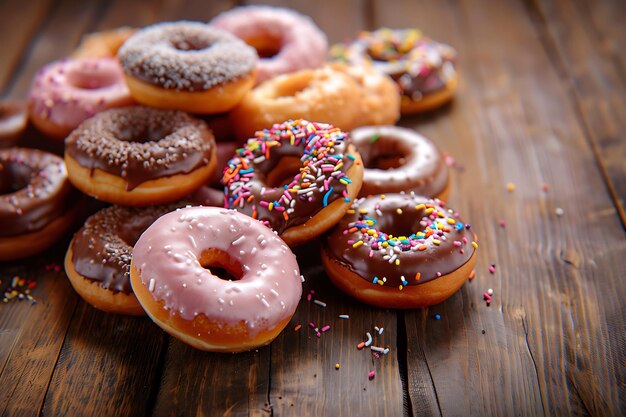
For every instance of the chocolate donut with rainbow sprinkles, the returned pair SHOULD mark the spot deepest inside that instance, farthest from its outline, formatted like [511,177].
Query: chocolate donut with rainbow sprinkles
[297,177]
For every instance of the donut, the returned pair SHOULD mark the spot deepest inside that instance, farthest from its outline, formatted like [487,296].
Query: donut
[13,121]
[379,101]
[323,94]
[187,66]
[64,93]
[140,156]
[297,177]
[399,251]
[285,40]
[424,70]
[398,159]
[37,202]
[97,261]
[102,44]
[175,276]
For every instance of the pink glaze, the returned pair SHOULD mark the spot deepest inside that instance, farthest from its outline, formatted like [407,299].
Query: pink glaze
[302,44]
[69,91]
[166,255]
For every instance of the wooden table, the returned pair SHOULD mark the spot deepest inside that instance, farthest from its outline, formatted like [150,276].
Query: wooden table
[542,101]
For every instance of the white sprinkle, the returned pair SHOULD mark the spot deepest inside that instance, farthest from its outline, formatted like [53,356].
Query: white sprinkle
[377,349]
[344,316]
[193,242]
[265,302]
[320,303]
[381,330]
[238,240]
[302,278]
[369,339]
[273,291]
[151,285]
[559,211]
[490,291]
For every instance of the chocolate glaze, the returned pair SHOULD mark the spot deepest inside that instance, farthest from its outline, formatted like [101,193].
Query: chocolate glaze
[304,208]
[432,262]
[140,143]
[103,247]
[13,120]
[420,165]
[419,65]
[34,190]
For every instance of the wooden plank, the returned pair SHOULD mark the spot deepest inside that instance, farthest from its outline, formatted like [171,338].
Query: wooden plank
[304,378]
[206,384]
[108,366]
[551,342]
[19,21]
[584,41]
[31,336]
[68,21]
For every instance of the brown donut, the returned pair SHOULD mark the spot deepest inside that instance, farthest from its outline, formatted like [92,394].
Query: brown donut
[424,70]
[37,202]
[13,121]
[297,177]
[398,159]
[140,156]
[188,66]
[399,251]
[97,261]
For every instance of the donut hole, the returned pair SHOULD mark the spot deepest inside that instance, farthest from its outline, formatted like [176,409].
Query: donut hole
[220,264]
[383,153]
[190,44]
[266,46]
[91,78]
[396,223]
[293,85]
[284,172]
[14,177]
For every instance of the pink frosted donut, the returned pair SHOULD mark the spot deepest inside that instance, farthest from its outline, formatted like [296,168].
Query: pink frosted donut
[174,276]
[65,93]
[285,40]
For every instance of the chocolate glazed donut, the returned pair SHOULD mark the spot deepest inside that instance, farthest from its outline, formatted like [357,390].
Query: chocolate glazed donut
[398,159]
[140,156]
[37,202]
[98,258]
[399,251]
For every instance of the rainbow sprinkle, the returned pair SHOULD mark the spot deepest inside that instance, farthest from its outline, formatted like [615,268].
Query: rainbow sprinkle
[320,181]
[19,289]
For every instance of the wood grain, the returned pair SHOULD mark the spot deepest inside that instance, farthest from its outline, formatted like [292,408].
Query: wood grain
[583,39]
[513,122]
[304,378]
[109,364]
[19,21]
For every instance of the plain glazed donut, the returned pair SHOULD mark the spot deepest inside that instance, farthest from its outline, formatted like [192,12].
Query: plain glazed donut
[297,177]
[187,66]
[379,102]
[399,251]
[97,261]
[13,121]
[424,70]
[323,94]
[37,202]
[64,93]
[102,44]
[398,159]
[140,156]
[173,276]
[285,40]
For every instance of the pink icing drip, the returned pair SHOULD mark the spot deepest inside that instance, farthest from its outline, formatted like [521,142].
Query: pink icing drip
[69,91]
[168,252]
[304,45]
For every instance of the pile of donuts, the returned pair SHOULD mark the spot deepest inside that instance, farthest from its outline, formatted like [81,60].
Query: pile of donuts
[220,146]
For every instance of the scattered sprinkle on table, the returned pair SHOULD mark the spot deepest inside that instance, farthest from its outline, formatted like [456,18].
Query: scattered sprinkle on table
[19,289]
[510,187]
[437,317]
[337,366]
[559,211]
